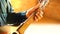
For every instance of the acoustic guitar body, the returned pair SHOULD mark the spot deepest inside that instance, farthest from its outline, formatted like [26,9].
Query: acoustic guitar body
[51,15]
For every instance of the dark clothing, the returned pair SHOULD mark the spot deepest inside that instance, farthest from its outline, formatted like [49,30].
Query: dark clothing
[16,19]
[7,16]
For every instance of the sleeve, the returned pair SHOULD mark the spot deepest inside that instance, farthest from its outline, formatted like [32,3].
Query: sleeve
[15,18]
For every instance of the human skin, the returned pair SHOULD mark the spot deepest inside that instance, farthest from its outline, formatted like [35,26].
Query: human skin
[52,10]
[37,17]
[38,14]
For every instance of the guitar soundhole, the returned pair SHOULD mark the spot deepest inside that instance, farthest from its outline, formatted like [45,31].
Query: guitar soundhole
[14,33]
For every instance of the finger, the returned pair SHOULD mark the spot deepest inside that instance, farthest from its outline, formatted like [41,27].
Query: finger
[40,13]
[31,10]
[36,18]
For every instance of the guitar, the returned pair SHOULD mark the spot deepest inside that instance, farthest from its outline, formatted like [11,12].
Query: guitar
[20,29]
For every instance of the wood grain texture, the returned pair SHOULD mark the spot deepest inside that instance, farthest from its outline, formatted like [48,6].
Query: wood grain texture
[21,5]
[51,15]
[52,10]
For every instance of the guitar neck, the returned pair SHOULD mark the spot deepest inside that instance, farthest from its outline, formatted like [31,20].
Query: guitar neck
[24,25]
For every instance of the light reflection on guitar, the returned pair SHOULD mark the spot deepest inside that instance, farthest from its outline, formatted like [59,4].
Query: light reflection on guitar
[45,20]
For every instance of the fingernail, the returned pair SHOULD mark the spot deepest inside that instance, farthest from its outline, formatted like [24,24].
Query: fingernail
[41,12]
[41,15]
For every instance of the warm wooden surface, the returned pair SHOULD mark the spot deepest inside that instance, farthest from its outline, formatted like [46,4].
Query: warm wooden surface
[53,9]
[51,16]
[21,5]
[44,20]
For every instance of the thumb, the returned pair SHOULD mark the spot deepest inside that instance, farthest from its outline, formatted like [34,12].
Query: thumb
[31,10]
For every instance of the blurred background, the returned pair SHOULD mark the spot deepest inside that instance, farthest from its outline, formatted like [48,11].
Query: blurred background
[51,14]
[49,24]
[52,10]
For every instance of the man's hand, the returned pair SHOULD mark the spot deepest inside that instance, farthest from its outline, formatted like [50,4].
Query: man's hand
[39,13]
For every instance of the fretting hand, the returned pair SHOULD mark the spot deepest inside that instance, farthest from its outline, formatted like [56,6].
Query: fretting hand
[38,14]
